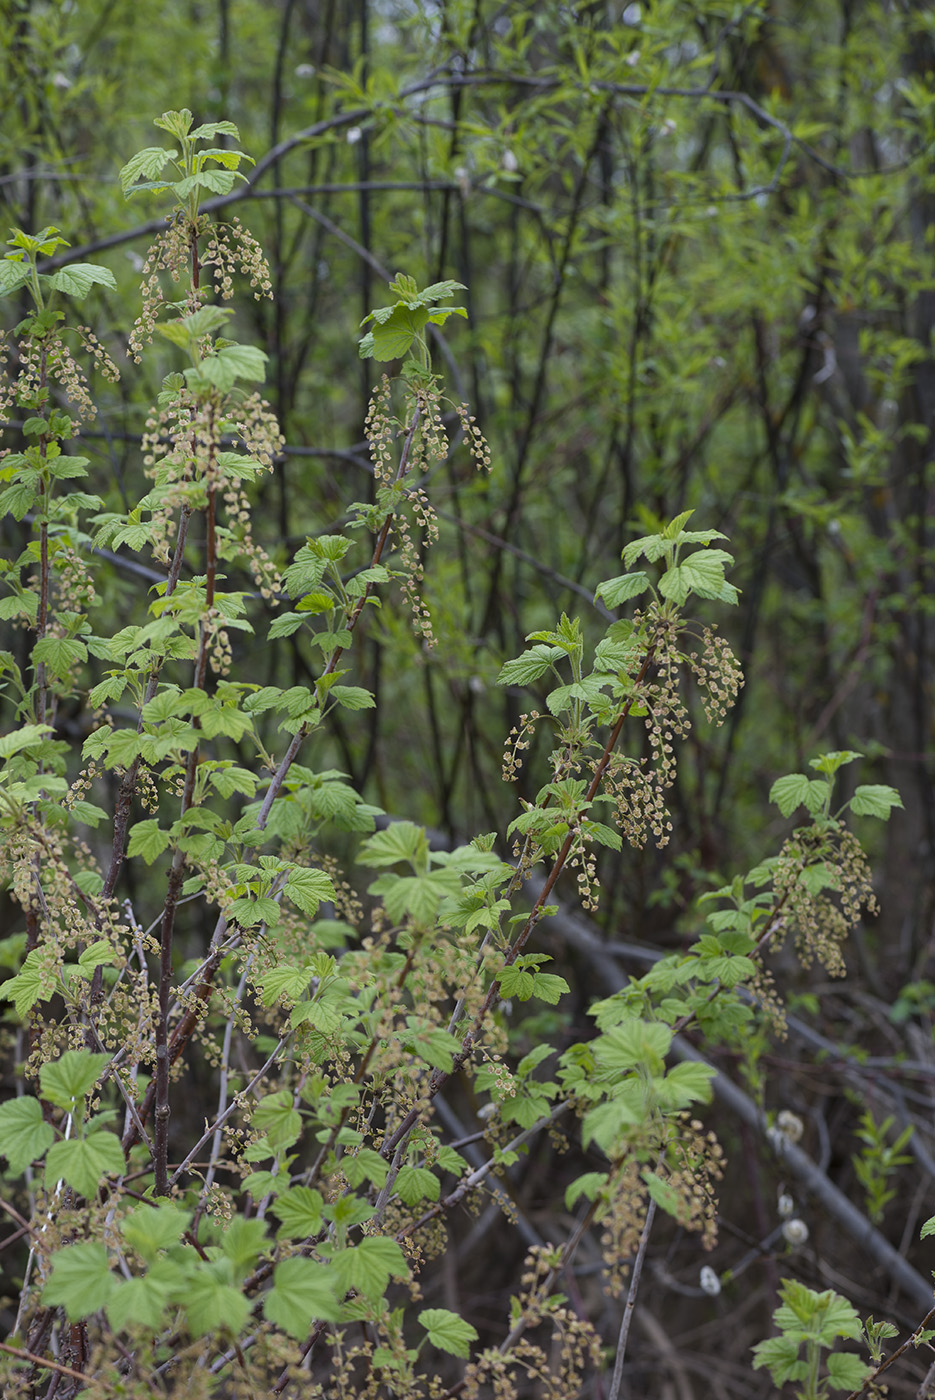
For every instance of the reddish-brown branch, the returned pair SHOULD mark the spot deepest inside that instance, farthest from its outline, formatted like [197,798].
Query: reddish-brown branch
[55,1366]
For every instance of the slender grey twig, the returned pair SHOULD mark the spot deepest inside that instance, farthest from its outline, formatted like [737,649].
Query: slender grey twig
[631,1303]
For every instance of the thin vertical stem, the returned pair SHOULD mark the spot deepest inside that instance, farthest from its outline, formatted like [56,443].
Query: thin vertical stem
[631,1304]
[42,617]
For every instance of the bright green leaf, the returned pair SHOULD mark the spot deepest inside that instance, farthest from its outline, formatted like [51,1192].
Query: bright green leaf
[448,1331]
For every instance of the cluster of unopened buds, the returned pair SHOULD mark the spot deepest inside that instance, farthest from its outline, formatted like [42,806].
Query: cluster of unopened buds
[794,1231]
[786,1131]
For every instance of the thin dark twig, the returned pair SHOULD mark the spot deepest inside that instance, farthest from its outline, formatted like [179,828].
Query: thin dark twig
[900,1351]
[631,1303]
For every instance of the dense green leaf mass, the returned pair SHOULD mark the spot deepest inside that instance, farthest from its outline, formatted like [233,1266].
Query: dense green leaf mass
[282,1057]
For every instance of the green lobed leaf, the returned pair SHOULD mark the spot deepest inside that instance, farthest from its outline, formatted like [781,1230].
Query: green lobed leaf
[67,1080]
[24,738]
[308,888]
[548,987]
[589,1185]
[368,1266]
[275,1116]
[701,573]
[846,1371]
[615,591]
[447,1331]
[30,985]
[299,1211]
[688,1083]
[144,1300]
[303,1292]
[284,981]
[415,1184]
[797,790]
[13,275]
[243,1241]
[633,1043]
[81,1281]
[352,697]
[59,654]
[212,1304]
[148,840]
[603,1125]
[516,982]
[663,1193]
[400,841]
[875,800]
[24,1135]
[285,625]
[85,1162]
[530,665]
[100,953]
[830,762]
[147,164]
[150,1228]
[365,1165]
[780,1356]
[77,279]
[650,547]
[246,361]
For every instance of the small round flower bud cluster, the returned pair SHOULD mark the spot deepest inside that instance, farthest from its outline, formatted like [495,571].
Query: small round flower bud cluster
[622,1226]
[380,429]
[639,804]
[7,385]
[432,445]
[718,675]
[477,444]
[49,359]
[582,859]
[170,252]
[81,786]
[230,249]
[666,717]
[410,559]
[73,581]
[823,920]
[102,360]
[255,425]
[520,738]
[762,988]
[217,640]
[697,1163]
[146,790]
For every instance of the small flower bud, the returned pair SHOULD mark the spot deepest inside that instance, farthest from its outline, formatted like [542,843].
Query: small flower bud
[790,1125]
[795,1232]
[785,1205]
[710,1283]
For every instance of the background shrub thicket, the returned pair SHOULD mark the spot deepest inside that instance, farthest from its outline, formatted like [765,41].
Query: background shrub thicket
[693,247]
